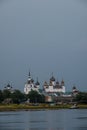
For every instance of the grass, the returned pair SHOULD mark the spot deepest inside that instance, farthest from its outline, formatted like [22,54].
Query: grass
[15,107]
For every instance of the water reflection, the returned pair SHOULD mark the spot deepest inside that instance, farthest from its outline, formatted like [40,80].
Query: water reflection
[45,129]
[44,120]
[82,118]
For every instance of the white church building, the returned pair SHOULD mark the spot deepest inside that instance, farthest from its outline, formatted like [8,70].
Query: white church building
[54,86]
[30,85]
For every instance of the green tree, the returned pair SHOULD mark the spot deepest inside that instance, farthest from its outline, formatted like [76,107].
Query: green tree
[1,96]
[81,97]
[17,96]
[6,94]
[35,97]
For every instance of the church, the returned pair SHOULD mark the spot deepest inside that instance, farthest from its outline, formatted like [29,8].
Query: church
[54,86]
[30,85]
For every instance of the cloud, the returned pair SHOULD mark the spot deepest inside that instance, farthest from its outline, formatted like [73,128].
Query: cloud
[83,1]
[3,1]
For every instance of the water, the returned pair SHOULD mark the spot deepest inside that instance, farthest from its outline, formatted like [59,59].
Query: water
[44,120]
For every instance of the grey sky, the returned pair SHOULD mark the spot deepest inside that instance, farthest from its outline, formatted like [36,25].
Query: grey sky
[44,36]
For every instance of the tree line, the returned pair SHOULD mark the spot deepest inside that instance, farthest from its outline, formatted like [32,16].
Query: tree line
[18,97]
[81,97]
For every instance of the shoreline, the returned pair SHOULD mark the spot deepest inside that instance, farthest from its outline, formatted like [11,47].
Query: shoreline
[15,107]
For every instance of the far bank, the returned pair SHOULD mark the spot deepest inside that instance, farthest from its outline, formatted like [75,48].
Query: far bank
[16,107]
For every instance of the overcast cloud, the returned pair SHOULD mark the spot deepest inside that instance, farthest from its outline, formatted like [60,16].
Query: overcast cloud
[44,36]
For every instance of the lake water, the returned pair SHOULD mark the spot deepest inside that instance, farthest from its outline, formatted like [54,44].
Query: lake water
[44,120]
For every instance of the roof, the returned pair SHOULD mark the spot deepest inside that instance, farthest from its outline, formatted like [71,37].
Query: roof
[52,78]
[37,83]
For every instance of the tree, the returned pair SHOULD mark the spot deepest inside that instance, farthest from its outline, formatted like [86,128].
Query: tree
[17,96]
[81,97]
[1,96]
[35,97]
[6,94]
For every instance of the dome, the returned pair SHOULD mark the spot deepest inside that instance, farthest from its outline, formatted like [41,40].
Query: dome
[74,87]
[57,83]
[62,82]
[32,80]
[52,78]
[45,83]
[8,85]
[37,83]
[50,83]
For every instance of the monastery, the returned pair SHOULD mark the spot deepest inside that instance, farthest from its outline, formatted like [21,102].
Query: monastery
[30,85]
[52,87]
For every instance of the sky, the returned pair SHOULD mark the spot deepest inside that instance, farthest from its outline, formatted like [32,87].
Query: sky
[45,37]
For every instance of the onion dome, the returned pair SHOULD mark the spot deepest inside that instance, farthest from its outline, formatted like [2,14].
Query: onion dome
[45,83]
[8,86]
[74,88]
[37,83]
[62,82]
[52,78]
[32,80]
[50,83]
[57,83]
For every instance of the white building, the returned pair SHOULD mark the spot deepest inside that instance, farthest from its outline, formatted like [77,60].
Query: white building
[9,88]
[54,86]
[30,85]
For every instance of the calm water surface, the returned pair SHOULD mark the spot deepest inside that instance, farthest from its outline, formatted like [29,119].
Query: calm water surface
[44,120]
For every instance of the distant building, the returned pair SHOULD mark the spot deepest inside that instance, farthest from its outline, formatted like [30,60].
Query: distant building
[9,88]
[75,91]
[54,86]
[30,85]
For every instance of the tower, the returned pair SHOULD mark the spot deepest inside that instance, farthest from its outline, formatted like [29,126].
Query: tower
[52,80]
[63,86]
[62,83]
[37,84]
[30,85]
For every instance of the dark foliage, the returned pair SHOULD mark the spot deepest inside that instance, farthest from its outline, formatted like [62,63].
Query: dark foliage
[18,97]
[81,97]
[1,96]
[35,97]
[6,94]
